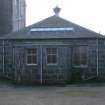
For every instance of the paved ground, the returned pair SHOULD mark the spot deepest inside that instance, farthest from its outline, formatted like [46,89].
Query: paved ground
[52,95]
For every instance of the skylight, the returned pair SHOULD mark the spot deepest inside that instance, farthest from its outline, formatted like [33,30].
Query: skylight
[51,29]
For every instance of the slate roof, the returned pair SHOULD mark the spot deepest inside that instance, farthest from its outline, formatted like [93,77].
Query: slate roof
[54,22]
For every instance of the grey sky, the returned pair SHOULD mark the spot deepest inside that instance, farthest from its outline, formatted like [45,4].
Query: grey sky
[87,13]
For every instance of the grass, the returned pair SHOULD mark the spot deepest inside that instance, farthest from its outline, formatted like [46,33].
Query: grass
[80,93]
[5,81]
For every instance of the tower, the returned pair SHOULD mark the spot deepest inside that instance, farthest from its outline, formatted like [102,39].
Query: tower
[12,15]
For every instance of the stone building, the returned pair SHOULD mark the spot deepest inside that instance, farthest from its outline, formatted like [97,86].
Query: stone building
[53,50]
[12,15]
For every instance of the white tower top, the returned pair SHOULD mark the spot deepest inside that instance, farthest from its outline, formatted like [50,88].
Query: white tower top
[57,10]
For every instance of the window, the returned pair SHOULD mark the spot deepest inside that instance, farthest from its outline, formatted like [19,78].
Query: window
[32,56]
[17,8]
[80,57]
[51,55]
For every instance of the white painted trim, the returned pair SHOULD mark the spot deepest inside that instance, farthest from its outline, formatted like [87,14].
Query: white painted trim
[52,64]
[51,29]
[32,64]
[30,44]
[80,66]
[15,71]
[3,58]
[41,69]
[97,56]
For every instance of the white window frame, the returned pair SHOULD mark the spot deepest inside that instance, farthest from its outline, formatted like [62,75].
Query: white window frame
[34,54]
[81,65]
[52,54]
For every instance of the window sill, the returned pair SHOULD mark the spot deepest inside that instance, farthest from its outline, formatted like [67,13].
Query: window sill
[31,64]
[51,64]
[80,66]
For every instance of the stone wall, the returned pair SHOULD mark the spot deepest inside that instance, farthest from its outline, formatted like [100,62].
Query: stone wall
[17,69]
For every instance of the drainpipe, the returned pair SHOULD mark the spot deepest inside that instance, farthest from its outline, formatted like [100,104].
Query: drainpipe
[41,58]
[14,62]
[3,58]
[97,51]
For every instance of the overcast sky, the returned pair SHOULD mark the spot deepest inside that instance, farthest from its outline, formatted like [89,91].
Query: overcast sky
[87,13]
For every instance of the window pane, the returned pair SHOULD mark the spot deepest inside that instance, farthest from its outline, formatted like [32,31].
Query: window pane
[54,51]
[80,56]
[51,50]
[29,59]
[32,56]
[48,50]
[32,51]
[49,59]
[34,59]
[51,55]
[54,58]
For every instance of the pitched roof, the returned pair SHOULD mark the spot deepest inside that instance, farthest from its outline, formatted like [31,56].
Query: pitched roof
[54,22]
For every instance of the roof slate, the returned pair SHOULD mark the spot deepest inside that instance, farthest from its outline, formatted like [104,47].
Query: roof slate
[54,22]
